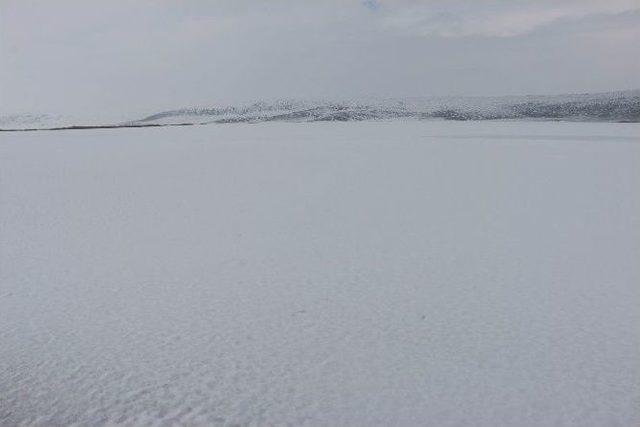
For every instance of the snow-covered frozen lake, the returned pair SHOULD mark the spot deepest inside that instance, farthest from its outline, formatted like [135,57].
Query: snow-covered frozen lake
[374,273]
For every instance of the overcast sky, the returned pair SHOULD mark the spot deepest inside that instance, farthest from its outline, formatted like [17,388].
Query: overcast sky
[70,56]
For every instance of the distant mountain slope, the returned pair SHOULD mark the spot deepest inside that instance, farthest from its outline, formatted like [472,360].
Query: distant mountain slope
[621,106]
[20,121]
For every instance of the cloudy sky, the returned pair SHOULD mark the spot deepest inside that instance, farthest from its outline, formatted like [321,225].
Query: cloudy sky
[69,56]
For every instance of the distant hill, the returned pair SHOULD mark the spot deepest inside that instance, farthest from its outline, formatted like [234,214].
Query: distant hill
[621,106]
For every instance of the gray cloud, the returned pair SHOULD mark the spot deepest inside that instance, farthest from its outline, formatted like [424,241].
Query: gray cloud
[138,56]
[492,18]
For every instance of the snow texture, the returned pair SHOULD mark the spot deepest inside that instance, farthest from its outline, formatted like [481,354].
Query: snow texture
[369,273]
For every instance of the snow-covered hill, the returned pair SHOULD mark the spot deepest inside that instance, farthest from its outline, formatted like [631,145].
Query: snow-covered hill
[622,106]
[612,106]
[27,121]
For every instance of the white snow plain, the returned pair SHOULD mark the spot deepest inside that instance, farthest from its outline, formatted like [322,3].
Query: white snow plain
[365,273]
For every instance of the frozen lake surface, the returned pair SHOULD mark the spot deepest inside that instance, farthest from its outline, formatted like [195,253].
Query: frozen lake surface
[375,273]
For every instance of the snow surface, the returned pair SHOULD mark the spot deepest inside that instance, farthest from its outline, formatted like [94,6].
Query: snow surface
[363,273]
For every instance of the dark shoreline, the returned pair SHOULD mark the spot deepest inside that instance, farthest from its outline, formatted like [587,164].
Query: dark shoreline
[85,127]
